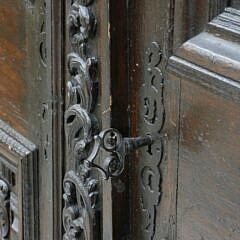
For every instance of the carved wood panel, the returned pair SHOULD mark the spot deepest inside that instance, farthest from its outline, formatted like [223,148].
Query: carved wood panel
[81,188]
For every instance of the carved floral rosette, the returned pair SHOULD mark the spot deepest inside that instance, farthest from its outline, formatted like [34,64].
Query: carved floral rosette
[80,184]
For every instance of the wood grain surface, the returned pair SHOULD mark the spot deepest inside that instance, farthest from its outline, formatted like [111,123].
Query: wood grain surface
[208,186]
[207,69]
[13,54]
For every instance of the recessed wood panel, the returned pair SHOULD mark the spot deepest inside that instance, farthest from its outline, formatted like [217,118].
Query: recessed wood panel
[13,54]
[208,186]
[208,191]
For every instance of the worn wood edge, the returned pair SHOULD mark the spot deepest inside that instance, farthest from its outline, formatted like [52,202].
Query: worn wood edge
[215,7]
[213,53]
[219,84]
[217,46]
[14,141]
[226,22]
[105,105]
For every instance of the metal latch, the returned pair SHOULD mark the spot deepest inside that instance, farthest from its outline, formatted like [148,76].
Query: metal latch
[118,147]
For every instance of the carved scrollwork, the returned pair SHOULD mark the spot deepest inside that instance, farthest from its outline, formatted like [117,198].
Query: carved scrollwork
[82,24]
[80,196]
[152,89]
[153,117]
[80,127]
[80,87]
[80,184]
[4,209]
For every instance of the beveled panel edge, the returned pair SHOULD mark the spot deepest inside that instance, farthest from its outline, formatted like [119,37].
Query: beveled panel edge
[219,84]
[228,23]
[229,19]
[217,46]
[20,156]
[216,7]
[14,141]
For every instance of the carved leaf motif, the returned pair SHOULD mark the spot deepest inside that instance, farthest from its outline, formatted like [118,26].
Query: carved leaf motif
[78,126]
[82,24]
[79,210]
[80,87]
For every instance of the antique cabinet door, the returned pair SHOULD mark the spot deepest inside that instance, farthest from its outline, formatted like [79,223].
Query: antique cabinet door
[184,83]
[30,121]
[151,68]
[166,70]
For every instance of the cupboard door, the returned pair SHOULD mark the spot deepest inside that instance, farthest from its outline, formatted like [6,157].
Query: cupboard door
[162,67]
[29,107]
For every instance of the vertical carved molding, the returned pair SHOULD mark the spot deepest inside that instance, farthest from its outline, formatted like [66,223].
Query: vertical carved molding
[80,184]
[152,118]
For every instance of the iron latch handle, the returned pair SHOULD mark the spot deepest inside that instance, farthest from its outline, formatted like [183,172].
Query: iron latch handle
[118,147]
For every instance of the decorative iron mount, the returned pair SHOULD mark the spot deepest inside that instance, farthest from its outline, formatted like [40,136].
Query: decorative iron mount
[111,141]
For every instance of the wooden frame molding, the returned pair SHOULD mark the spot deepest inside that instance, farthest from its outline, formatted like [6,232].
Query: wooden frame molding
[19,185]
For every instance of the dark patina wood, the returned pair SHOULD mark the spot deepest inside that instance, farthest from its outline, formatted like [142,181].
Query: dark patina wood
[144,25]
[207,68]
[13,60]
[120,110]
[149,48]
[154,66]
[31,105]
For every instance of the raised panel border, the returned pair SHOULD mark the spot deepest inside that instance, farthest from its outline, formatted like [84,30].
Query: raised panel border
[212,67]
[210,59]
[201,76]
[19,156]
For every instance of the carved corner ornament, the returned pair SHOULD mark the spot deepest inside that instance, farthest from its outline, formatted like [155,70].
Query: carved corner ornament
[81,187]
